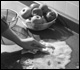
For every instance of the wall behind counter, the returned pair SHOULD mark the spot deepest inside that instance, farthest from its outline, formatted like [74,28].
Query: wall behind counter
[69,8]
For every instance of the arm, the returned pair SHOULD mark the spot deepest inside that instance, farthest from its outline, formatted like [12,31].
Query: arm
[24,43]
[6,31]
[9,34]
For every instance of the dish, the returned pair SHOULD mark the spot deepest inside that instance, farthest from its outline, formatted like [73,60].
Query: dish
[35,26]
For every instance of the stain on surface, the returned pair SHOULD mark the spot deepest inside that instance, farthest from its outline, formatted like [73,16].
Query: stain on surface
[49,63]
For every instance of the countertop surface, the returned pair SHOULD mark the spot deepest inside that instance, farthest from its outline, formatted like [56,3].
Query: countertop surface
[59,32]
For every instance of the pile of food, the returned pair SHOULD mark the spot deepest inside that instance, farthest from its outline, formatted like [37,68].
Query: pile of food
[58,57]
[37,15]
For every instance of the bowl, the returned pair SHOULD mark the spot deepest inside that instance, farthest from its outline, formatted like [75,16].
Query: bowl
[39,27]
[10,15]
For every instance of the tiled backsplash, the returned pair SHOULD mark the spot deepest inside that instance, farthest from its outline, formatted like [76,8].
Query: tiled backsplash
[70,8]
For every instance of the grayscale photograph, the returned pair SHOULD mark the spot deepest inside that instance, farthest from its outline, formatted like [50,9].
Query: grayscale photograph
[39,34]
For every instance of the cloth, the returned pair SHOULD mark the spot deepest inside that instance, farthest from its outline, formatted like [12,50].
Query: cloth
[57,58]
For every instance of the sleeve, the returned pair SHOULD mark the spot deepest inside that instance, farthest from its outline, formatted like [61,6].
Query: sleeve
[4,26]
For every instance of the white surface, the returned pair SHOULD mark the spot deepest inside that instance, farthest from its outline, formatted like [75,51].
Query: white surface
[71,10]
[10,48]
[15,5]
[61,53]
[75,3]
[60,5]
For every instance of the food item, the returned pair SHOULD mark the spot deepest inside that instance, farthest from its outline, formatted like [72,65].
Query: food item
[36,19]
[28,21]
[33,5]
[44,8]
[26,13]
[44,20]
[37,16]
[37,11]
[50,16]
[58,58]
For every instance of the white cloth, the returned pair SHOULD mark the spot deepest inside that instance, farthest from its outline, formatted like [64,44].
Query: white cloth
[58,58]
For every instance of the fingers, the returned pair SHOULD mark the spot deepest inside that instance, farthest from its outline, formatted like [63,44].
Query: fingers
[41,45]
[37,45]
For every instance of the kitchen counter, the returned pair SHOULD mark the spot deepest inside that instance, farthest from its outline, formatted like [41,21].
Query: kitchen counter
[73,42]
[59,32]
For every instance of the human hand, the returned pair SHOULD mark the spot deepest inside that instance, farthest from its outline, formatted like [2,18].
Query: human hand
[31,43]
